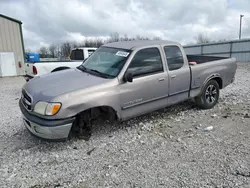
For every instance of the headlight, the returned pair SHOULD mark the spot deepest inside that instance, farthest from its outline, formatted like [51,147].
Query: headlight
[45,108]
[52,109]
[40,107]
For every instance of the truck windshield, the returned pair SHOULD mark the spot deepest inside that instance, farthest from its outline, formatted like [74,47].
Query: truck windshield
[106,61]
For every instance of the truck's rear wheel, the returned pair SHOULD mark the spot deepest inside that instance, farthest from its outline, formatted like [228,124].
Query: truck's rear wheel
[209,96]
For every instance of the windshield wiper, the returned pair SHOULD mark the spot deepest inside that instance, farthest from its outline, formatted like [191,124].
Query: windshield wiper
[82,68]
[101,73]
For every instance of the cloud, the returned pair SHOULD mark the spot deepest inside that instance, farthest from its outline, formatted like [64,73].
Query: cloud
[46,22]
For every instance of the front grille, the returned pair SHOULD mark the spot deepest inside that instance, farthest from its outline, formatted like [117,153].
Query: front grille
[28,123]
[26,100]
[26,96]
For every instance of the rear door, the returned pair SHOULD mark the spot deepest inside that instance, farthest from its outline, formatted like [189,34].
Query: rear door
[178,72]
[149,88]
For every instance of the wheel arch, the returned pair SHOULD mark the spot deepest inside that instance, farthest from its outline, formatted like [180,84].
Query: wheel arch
[60,68]
[96,111]
[215,77]
[219,81]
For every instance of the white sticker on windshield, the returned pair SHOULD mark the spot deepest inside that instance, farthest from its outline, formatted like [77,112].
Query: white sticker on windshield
[123,54]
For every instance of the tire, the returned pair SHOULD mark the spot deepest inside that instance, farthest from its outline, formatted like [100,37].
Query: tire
[81,127]
[209,95]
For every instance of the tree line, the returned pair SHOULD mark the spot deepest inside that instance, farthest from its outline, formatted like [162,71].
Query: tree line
[62,50]
[203,38]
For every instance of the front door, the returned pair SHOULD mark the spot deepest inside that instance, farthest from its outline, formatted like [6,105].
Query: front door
[7,64]
[179,74]
[149,88]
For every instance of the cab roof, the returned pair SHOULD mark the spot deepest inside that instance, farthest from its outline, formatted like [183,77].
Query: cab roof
[138,43]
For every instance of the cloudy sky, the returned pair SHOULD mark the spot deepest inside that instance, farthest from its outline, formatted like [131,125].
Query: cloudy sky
[47,21]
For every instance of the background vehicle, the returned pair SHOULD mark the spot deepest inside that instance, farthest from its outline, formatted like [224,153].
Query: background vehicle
[119,81]
[31,57]
[38,68]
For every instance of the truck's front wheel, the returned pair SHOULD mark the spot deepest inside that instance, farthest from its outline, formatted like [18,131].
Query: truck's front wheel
[209,96]
[81,127]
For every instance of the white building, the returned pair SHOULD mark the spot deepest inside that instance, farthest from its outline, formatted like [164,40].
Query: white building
[11,47]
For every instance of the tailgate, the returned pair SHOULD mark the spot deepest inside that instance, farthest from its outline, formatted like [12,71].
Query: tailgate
[29,69]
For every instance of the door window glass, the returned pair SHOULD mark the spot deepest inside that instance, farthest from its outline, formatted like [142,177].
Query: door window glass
[174,57]
[146,61]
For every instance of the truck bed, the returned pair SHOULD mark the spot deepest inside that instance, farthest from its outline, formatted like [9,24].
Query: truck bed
[199,59]
[221,67]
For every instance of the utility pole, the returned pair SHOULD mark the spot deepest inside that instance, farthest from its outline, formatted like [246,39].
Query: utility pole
[240,25]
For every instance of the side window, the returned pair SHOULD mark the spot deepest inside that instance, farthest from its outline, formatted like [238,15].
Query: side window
[77,54]
[174,57]
[146,61]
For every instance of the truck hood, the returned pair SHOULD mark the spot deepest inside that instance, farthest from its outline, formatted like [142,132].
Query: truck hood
[51,85]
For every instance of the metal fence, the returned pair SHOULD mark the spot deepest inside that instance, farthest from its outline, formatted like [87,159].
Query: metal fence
[240,49]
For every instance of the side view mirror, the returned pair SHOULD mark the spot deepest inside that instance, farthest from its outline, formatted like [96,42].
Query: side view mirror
[128,77]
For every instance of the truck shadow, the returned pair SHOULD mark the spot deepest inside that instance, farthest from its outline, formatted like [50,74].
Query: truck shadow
[99,129]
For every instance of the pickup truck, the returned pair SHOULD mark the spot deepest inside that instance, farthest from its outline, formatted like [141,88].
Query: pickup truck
[120,81]
[77,55]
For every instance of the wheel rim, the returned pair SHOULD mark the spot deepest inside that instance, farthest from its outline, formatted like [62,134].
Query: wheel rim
[211,94]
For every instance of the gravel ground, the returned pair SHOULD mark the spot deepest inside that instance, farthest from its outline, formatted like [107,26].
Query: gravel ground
[167,148]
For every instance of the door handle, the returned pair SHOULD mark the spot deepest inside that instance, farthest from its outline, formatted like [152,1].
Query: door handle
[173,76]
[161,79]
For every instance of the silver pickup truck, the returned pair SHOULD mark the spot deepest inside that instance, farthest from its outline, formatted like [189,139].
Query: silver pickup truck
[119,81]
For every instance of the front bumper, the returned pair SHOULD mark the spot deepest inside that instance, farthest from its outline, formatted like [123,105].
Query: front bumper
[44,128]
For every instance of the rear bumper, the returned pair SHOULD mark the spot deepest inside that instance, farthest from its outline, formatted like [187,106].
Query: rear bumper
[27,77]
[47,129]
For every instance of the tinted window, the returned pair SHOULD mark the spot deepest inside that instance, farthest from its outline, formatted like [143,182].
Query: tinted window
[174,57]
[146,61]
[77,54]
